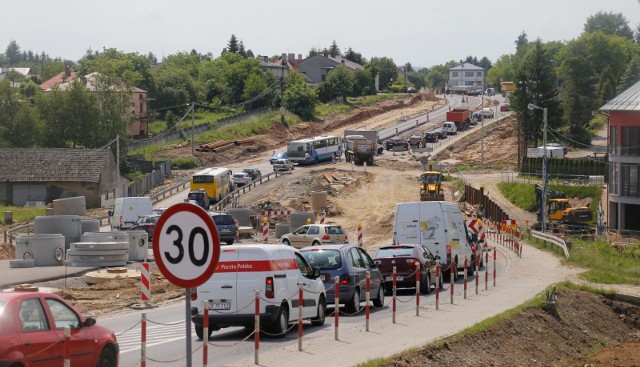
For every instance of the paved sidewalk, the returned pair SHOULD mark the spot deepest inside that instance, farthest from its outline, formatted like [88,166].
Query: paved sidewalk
[523,279]
[14,276]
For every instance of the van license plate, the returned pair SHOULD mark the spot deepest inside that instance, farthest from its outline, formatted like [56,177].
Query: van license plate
[225,230]
[390,278]
[220,305]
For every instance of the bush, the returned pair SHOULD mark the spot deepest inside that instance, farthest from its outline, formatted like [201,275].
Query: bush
[184,163]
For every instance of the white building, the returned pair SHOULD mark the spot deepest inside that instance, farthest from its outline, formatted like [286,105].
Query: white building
[466,78]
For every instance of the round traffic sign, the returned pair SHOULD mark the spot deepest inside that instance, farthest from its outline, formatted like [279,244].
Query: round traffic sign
[186,245]
[496,102]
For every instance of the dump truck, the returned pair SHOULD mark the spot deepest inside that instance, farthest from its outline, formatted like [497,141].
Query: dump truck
[431,186]
[359,149]
[371,135]
[461,116]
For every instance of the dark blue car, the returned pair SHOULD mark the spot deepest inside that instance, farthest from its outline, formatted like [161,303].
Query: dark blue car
[350,263]
[280,154]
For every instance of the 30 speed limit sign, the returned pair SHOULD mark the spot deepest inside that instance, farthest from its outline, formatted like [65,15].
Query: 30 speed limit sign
[186,245]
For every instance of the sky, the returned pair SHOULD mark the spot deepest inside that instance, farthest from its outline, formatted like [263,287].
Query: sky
[422,32]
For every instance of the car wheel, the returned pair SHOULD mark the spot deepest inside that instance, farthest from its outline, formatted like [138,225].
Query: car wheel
[230,242]
[200,331]
[279,327]
[471,269]
[315,243]
[107,358]
[441,280]
[354,303]
[316,160]
[322,312]
[379,301]
[425,285]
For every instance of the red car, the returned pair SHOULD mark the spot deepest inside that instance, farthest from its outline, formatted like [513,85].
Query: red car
[505,107]
[32,330]
[405,259]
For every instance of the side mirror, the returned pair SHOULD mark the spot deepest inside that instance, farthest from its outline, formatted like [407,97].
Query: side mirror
[110,213]
[437,257]
[316,272]
[89,321]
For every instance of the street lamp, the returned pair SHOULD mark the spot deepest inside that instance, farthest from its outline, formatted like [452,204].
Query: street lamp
[532,107]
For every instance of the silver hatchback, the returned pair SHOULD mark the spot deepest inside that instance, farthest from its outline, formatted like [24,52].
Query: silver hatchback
[314,235]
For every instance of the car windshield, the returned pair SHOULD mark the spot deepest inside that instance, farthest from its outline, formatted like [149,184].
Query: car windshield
[238,175]
[323,259]
[395,251]
[223,219]
[2,304]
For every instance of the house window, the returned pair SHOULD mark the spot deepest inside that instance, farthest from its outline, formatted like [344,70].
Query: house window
[454,74]
[629,181]
[479,73]
[631,141]
[613,176]
[468,74]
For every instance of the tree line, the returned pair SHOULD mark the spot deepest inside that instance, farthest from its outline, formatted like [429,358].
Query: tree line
[571,79]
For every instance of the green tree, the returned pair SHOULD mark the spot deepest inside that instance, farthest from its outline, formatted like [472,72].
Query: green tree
[607,85]
[232,45]
[20,125]
[13,53]
[385,68]
[363,83]
[300,99]
[313,52]
[609,23]
[356,57]
[535,84]
[636,34]
[631,75]
[437,76]
[334,50]
[521,43]
[502,70]
[256,88]
[132,68]
[339,83]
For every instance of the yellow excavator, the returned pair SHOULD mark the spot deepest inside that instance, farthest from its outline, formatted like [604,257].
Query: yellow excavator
[431,186]
[560,214]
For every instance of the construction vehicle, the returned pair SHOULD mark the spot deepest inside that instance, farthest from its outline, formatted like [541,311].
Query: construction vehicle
[359,149]
[560,216]
[461,116]
[431,186]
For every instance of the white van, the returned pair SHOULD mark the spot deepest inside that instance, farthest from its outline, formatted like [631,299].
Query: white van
[439,226]
[487,112]
[274,270]
[449,127]
[127,210]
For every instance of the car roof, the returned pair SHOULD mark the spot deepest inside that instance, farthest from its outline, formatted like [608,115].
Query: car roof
[218,213]
[6,296]
[337,246]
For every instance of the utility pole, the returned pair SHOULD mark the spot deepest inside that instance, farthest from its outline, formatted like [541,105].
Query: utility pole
[193,124]
[531,106]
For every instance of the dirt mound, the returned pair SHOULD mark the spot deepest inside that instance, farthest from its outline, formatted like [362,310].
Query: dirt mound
[584,322]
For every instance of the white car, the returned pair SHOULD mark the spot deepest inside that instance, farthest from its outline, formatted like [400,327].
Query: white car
[240,179]
[282,165]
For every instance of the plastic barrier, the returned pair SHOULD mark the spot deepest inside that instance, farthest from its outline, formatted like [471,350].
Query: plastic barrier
[145,283]
[360,240]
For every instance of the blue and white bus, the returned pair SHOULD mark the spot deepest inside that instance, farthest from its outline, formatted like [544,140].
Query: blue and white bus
[313,150]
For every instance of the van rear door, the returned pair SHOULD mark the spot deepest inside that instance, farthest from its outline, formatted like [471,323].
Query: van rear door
[253,269]
[221,290]
[407,229]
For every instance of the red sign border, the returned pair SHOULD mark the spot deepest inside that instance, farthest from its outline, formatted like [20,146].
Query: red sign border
[211,268]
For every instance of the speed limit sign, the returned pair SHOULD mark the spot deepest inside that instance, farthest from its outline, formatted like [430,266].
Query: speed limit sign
[186,245]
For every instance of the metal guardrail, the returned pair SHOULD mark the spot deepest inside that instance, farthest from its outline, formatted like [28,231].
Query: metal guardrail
[161,195]
[553,240]
[234,195]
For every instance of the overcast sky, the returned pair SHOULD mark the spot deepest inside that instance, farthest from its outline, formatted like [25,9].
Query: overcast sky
[422,32]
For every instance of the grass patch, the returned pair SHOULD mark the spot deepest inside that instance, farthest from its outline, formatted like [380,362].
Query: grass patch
[324,110]
[184,163]
[604,263]
[22,213]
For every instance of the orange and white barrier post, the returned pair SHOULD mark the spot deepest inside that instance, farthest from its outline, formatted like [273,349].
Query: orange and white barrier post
[145,283]
[486,271]
[477,272]
[143,341]
[265,229]
[367,298]
[300,306]
[323,215]
[336,310]
[393,308]
[256,331]
[494,267]
[453,270]
[418,288]
[67,346]
[437,286]
[205,334]
[360,240]
[465,277]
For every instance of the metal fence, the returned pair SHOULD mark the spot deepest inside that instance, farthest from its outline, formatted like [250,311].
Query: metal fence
[151,180]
